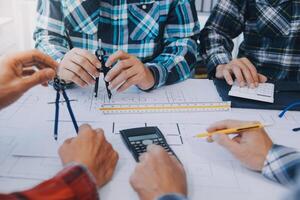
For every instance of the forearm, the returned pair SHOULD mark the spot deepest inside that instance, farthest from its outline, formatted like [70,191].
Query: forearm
[179,54]
[282,164]
[53,45]
[74,182]
[225,23]
[175,63]
[216,50]
[50,34]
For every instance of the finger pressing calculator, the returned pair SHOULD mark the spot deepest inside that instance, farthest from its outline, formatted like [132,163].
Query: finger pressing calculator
[137,140]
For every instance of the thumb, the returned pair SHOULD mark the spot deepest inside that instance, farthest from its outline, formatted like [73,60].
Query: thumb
[37,78]
[227,143]
[262,78]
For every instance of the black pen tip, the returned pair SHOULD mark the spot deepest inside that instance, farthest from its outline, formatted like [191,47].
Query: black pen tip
[296,129]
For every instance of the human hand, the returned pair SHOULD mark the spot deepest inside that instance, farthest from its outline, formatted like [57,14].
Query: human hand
[17,74]
[79,66]
[244,72]
[158,174]
[91,149]
[249,147]
[127,72]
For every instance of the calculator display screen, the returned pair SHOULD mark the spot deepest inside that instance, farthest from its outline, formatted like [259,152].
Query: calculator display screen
[143,137]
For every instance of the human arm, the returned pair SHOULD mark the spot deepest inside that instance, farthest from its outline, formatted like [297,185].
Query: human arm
[227,21]
[257,152]
[179,55]
[17,74]
[67,183]
[159,176]
[282,165]
[172,63]
[89,162]
[51,36]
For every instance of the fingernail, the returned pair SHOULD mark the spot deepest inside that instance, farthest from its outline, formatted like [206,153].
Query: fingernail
[252,85]
[256,84]
[242,84]
[107,78]
[107,64]
[151,147]
[230,83]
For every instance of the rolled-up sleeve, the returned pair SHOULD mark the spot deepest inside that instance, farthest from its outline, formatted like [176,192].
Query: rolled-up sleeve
[180,49]
[50,34]
[282,164]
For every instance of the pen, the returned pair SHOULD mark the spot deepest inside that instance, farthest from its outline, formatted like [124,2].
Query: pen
[296,129]
[231,130]
[97,78]
[96,86]
[105,72]
[100,55]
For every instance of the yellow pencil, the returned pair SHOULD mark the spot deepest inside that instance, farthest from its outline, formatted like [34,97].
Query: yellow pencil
[231,130]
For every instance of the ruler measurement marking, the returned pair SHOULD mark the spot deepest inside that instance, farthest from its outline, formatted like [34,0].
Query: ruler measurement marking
[163,107]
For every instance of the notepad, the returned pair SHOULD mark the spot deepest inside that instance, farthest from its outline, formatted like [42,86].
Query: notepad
[264,92]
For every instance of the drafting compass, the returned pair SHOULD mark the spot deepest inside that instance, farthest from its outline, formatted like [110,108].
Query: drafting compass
[60,87]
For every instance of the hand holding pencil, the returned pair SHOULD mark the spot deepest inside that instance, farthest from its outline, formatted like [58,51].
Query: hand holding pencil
[250,146]
[232,130]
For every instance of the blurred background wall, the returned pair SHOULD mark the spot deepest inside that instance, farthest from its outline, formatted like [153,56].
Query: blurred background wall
[17,21]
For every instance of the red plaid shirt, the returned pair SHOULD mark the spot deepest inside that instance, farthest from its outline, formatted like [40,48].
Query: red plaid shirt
[74,182]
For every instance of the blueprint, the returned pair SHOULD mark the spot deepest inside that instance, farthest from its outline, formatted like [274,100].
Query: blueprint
[28,151]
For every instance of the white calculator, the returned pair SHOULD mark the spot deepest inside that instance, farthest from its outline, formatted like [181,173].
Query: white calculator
[264,92]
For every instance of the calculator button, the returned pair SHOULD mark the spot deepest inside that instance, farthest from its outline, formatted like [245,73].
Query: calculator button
[147,142]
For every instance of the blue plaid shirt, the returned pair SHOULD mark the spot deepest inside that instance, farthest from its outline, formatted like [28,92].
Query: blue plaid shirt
[271,31]
[161,33]
[282,165]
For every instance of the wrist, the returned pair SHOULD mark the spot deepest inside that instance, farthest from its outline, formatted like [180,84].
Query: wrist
[84,167]
[149,81]
[74,173]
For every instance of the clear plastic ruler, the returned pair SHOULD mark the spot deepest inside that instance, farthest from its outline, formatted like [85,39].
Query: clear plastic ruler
[165,107]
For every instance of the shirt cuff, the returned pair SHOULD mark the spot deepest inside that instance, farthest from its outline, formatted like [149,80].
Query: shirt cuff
[159,74]
[80,180]
[172,196]
[217,59]
[281,164]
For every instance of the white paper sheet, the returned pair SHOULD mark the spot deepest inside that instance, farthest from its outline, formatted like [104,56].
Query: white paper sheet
[28,150]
